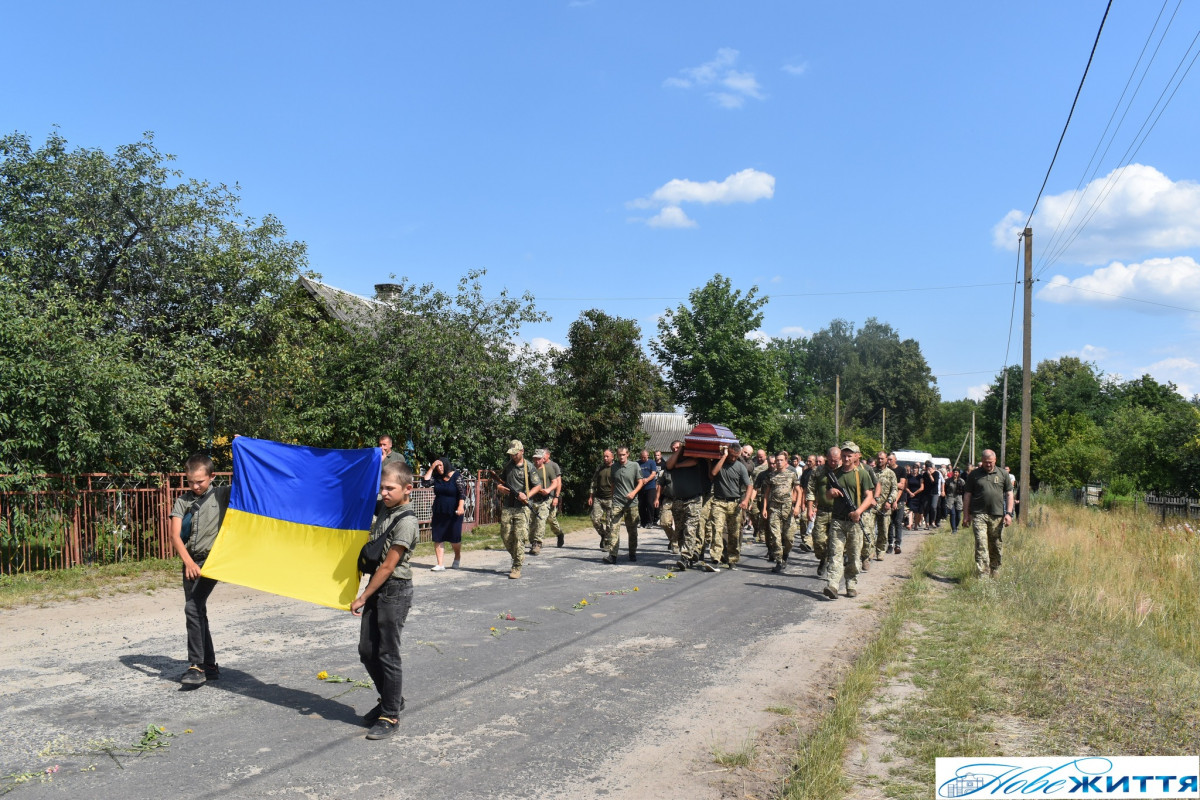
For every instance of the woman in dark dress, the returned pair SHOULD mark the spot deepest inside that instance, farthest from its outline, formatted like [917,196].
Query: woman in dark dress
[449,506]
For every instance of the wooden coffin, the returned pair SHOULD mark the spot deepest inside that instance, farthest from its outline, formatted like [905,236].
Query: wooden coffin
[706,439]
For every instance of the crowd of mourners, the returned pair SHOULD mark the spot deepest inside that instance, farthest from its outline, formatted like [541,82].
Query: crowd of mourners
[846,510]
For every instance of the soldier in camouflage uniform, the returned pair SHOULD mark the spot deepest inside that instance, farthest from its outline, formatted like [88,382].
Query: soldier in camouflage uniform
[662,502]
[689,481]
[820,508]
[851,489]
[519,483]
[781,493]
[886,491]
[600,499]
[762,465]
[731,497]
[806,524]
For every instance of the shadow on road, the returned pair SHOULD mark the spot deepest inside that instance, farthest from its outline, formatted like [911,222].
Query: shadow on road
[245,684]
[793,589]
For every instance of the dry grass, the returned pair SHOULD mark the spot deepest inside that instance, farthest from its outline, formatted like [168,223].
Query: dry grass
[1087,643]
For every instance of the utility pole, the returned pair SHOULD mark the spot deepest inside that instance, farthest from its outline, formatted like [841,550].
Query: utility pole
[972,438]
[1004,420]
[1026,373]
[837,410]
[883,436]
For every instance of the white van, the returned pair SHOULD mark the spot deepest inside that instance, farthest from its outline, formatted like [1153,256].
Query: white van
[905,458]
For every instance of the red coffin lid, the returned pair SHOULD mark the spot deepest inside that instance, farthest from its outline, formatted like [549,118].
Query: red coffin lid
[706,439]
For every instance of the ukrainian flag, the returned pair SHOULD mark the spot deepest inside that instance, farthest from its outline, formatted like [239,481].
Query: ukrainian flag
[297,518]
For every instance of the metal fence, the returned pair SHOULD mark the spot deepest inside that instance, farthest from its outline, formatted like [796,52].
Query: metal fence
[103,518]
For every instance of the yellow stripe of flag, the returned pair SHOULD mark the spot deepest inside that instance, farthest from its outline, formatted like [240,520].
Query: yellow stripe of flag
[306,562]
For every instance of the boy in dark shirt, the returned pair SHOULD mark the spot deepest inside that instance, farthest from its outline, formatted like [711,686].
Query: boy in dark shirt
[387,598]
[204,505]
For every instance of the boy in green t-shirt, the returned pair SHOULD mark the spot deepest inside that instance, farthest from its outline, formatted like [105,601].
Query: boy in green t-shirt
[387,598]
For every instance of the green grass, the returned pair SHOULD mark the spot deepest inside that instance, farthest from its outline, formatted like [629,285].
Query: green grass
[816,772]
[742,757]
[53,586]
[1087,643]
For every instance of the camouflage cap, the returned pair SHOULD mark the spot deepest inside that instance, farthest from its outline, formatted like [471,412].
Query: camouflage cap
[539,453]
[851,446]
[515,447]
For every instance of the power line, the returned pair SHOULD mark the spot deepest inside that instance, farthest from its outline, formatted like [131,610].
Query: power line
[1069,115]
[773,296]
[1124,297]
[1068,214]
[1131,152]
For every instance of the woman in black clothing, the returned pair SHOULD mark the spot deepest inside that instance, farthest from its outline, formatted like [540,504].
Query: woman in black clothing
[449,506]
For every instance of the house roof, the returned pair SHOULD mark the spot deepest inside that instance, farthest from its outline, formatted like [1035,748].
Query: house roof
[346,307]
[663,427]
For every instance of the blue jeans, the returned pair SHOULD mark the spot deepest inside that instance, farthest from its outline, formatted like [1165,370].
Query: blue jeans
[383,619]
[195,610]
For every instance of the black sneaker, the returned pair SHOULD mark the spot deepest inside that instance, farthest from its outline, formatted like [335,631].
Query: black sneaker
[372,716]
[778,567]
[609,559]
[680,566]
[383,728]
[212,672]
[633,556]
[194,676]
[561,539]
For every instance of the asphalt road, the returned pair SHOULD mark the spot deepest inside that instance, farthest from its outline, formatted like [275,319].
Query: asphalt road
[543,706]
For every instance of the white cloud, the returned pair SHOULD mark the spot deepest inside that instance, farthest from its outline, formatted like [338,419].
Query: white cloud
[759,336]
[1171,281]
[671,217]
[1091,352]
[543,345]
[726,86]
[1141,211]
[747,186]
[977,393]
[1183,372]
[796,69]
[777,279]
[794,331]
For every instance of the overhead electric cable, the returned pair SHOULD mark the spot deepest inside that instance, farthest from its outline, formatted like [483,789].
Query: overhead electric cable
[1134,147]
[1069,114]
[773,295]
[1068,214]
[1123,297]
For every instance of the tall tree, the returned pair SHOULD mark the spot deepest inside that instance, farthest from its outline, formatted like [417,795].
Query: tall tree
[609,382]
[878,370]
[714,371]
[171,295]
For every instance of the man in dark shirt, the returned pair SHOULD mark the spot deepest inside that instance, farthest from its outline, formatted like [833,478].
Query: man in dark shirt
[649,489]
[988,503]
[600,498]
[689,482]
[731,497]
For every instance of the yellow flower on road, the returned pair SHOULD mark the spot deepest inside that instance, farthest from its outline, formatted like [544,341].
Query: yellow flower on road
[322,675]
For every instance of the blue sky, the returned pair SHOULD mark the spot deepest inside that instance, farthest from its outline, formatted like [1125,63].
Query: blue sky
[618,154]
